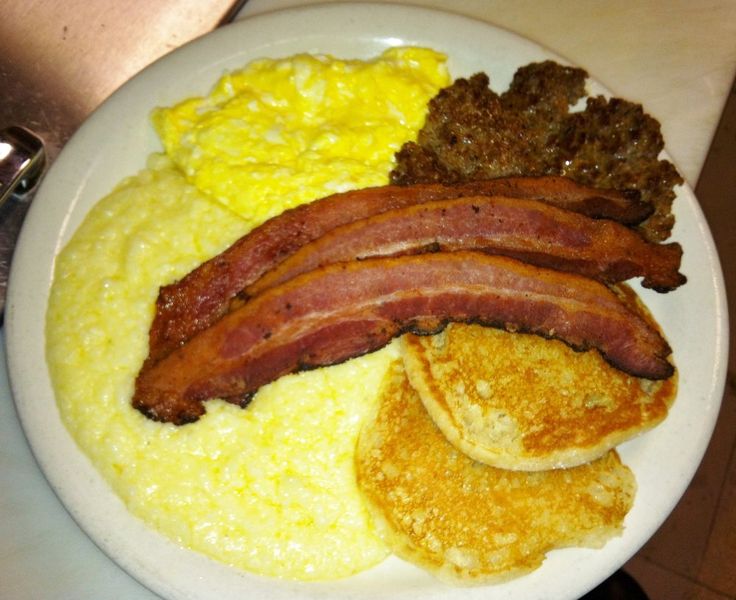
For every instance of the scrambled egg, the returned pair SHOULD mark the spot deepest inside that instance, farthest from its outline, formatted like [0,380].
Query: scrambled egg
[270,489]
[281,132]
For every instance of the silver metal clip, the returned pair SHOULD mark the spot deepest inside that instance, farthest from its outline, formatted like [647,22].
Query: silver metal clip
[22,159]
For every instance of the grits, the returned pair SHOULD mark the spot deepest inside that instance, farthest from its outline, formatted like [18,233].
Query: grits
[270,489]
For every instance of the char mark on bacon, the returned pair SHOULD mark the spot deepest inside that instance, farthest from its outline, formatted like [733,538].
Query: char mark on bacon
[202,297]
[528,230]
[344,310]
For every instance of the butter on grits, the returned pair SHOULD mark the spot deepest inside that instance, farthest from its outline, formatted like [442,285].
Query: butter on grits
[269,489]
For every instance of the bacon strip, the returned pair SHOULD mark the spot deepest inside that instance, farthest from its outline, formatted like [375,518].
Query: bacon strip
[344,310]
[624,206]
[202,297]
[525,229]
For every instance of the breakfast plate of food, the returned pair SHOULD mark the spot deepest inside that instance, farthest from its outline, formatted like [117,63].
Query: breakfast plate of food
[367,300]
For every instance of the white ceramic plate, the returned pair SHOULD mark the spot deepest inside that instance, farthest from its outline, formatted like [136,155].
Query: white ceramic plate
[114,143]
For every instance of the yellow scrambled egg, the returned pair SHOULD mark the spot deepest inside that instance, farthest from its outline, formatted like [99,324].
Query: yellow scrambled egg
[271,488]
[281,132]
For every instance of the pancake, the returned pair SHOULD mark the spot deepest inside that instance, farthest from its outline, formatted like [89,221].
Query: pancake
[464,521]
[518,401]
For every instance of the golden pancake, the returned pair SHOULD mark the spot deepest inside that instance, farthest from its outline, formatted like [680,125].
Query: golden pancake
[518,401]
[467,522]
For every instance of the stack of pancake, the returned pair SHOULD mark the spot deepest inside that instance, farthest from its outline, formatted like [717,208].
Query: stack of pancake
[488,449]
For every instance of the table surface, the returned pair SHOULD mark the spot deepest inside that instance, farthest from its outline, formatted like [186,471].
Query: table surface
[677,58]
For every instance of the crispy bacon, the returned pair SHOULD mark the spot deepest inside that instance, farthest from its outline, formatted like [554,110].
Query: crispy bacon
[203,296]
[532,231]
[624,206]
[337,312]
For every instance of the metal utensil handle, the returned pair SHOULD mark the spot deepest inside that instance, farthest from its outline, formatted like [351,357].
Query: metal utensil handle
[22,158]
